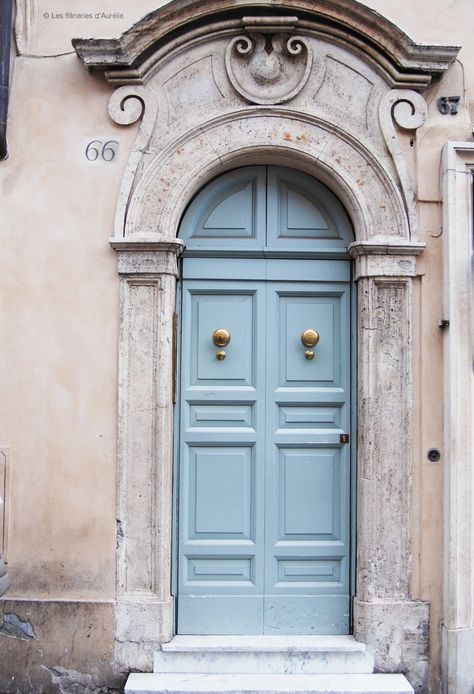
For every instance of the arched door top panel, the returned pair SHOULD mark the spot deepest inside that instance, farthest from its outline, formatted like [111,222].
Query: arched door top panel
[266,211]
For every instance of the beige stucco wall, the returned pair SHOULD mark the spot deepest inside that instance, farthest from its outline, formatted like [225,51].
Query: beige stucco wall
[59,294]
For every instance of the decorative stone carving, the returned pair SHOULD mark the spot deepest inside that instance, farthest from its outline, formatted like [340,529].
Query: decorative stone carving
[126,106]
[271,66]
[408,110]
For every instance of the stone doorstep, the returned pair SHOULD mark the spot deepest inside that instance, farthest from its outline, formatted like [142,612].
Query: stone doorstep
[263,655]
[263,644]
[154,683]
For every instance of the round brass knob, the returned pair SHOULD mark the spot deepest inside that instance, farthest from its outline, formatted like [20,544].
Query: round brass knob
[310,338]
[221,337]
[220,354]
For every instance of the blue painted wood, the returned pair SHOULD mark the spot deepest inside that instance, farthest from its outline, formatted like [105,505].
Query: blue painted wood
[266,211]
[302,212]
[264,482]
[229,213]
[307,483]
[221,529]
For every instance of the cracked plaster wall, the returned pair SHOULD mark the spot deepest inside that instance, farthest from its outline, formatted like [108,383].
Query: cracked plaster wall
[57,646]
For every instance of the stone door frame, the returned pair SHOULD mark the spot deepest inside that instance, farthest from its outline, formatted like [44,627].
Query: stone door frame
[384,272]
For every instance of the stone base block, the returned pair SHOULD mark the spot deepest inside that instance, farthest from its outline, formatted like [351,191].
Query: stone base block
[398,634]
[458,660]
[142,625]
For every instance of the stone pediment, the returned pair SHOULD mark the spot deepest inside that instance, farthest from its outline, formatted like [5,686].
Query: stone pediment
[214,82]
[131,58]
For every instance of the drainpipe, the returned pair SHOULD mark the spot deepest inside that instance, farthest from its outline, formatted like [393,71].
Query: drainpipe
[6,9]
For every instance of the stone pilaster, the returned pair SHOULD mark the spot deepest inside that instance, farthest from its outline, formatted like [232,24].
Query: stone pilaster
[458,617]
[393,625]
[144,606]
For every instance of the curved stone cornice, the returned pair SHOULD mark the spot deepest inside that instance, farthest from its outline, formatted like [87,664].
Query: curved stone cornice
[132,57]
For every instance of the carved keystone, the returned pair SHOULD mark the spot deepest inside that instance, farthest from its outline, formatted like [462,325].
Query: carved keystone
[268,65]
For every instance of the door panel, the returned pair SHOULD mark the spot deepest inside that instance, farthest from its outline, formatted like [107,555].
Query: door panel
[307,485]
[221,493]
[297,313]
[308,482]
[221,529]
[236,313]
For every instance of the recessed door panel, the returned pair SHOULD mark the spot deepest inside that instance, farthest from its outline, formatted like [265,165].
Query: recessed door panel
[308,494]
[300,313]
[203,416]
[221,493]
[235,313]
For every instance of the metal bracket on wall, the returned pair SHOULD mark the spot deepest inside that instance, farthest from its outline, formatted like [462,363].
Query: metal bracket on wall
[5,47]
[4,460]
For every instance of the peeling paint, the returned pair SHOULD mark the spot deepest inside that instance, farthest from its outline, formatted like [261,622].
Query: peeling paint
[73,682]
[119,533]
[15,628]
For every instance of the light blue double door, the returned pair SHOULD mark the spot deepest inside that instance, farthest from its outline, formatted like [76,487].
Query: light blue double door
[264,473]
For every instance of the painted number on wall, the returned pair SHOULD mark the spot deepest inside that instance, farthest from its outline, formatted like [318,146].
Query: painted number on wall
[448,105]
[101,150]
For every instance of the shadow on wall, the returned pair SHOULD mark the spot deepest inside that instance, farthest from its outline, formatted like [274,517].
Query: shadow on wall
[4,578]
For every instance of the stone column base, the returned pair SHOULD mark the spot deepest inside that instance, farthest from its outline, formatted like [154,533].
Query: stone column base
[458,660]
[141,627]
[397,632]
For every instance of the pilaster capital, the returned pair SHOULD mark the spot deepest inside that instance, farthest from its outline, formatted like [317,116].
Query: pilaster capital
[147,256]
[385,257]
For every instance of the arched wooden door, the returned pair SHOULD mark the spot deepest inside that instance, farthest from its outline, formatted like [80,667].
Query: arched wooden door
[264,408]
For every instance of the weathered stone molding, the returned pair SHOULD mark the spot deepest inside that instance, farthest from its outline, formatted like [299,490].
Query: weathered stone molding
[298,139]
[144,608]
[394,626]
[133,57]
[385,257]
[458,618]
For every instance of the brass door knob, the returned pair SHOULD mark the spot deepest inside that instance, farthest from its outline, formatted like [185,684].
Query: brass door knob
[310,337]
[221,337]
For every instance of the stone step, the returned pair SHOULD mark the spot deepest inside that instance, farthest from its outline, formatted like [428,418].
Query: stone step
[155,683]
[264,655]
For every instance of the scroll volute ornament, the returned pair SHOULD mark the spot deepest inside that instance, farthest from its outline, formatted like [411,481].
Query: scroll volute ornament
[268,65]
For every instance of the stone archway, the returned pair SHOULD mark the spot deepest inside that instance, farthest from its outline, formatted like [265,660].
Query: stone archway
[201,114]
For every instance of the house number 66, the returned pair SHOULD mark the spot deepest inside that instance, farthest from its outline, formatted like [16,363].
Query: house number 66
[105,151]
